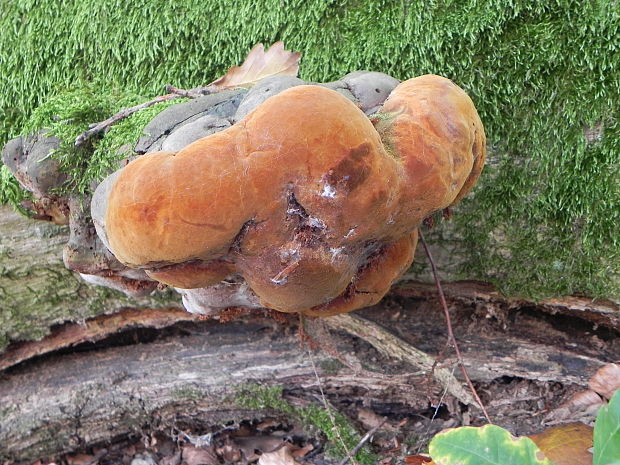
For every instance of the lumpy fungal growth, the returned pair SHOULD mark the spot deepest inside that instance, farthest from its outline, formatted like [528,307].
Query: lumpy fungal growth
[303,205]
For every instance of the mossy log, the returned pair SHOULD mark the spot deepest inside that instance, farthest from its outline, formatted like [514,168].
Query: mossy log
[37,291]
[194,376]
[540,222]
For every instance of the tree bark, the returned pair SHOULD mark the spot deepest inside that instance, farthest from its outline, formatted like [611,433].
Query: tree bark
[38,292]
[58,403]
[192,373]
[603,312]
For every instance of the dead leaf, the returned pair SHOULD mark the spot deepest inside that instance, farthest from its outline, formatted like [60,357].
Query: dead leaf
[582,406]
[79,459]
[584,400]
[249,445]
[268,423]
[144,458]
[260,64]
[606,380]
[566,444]
[418,460]
[371,420]
[229,453]
[282,456]
[199,456]
[174,459]
[302,451]
[163,445]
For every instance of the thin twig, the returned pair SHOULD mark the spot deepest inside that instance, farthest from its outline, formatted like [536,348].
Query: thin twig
[438,360]
[396,348]
[191,93]
[124,113]
[315,332]
[324,399]
[437,407]
[172,93]
[363,441]
[442,298]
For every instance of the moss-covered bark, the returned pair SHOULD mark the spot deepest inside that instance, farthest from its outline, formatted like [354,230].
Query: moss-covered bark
[37,291]
[195,376]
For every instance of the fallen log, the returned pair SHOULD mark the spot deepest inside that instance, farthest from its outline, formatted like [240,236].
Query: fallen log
[599,311]
[190,372]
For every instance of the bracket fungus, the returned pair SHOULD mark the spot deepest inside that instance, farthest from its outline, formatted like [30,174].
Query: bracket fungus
[28,158]
[303,205]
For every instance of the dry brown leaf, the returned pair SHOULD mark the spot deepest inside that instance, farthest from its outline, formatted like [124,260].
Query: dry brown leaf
[248,445]
[302,451]
[282,456]
[582,406]
[267,424]
[260,64]
[230,453]
[566,444]
[174,459]
[370,420]
[199,455]
[585,400]
[418,460]
[79,459]
[606,380]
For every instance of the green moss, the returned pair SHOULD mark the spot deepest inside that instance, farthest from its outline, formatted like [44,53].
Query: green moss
[256,396]
[53,295]
[121,138]
[11,192]
[336,427]
[34,297]
[68,114]
[542,221]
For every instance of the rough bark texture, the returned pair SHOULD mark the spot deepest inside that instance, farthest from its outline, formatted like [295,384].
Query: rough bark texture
[69,335]
[37,291]
[123,386]
[192,372]
[603,312]
[55,404]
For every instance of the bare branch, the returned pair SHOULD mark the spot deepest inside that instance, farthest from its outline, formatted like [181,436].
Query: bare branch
[191,93]
[124,113]
[394,347]
[172,93]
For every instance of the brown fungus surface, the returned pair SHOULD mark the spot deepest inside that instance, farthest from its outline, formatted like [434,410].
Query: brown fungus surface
[304,198]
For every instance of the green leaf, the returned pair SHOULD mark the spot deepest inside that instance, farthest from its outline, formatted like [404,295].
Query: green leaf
[487,445]
[607,433]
